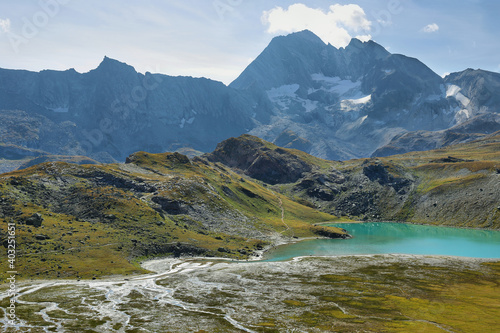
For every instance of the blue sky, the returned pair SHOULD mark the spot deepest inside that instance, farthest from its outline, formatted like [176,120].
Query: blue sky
[219,38]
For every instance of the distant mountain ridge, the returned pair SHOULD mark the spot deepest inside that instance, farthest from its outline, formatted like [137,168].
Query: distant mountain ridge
[300,92]
[116,111]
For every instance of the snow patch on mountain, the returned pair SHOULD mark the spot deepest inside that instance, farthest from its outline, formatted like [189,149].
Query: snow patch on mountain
[353,106]
[285,90]
[462,116]
[362,100]
[344,88]
[454,91]
[309,105]
[285,96]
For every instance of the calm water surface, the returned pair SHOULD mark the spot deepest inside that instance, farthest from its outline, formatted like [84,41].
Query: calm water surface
[385,238]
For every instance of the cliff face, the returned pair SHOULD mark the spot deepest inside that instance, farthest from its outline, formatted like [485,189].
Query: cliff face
[115,111]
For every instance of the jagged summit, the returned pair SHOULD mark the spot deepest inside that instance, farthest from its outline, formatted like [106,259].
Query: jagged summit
[107,61]
[339,103]
[295,57]
[114,66]
[303,36]
[375,50]
[355,43]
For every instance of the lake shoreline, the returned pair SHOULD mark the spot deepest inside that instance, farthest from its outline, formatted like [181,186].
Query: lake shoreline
[397,238]
[260,255]
[406,222]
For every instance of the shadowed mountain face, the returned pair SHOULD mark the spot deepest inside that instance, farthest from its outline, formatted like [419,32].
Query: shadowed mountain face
[300,93]
[350,101]
[114,110]
[476,128]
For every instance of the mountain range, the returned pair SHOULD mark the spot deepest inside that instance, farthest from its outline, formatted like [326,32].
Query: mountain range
[334,103]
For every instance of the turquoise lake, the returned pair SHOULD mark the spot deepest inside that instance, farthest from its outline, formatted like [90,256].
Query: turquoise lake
[396,238]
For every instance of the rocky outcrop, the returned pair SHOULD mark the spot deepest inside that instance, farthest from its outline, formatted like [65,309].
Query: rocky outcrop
[170,206]
[476,128]
[377,171]
[34,220]
[166,160]
[260,160]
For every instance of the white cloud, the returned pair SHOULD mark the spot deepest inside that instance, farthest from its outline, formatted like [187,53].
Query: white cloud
[433,27]
[4,25]
[336,26]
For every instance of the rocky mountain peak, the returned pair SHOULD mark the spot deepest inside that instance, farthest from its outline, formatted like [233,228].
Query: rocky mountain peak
[355,44]
[304,36]
[112,66]
[374,49]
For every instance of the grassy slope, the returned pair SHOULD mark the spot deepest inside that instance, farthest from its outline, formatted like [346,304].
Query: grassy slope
[458,193]
[99,220]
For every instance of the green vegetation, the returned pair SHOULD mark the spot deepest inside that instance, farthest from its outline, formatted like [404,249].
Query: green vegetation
[454,186]
[90,221]
[344,294]
[100,220]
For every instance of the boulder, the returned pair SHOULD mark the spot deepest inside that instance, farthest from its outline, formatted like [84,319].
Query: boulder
[41,237]
[35,220]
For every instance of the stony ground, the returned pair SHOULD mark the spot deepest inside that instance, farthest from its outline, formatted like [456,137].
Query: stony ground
[390,293]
